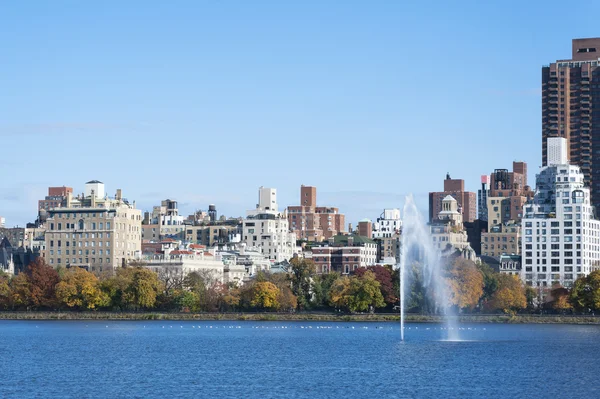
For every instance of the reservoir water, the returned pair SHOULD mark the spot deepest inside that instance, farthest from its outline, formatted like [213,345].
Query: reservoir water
[164,359]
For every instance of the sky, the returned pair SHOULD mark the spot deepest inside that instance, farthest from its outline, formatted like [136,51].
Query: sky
[205,101]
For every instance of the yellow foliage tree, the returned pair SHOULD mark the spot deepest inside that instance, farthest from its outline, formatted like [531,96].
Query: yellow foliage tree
[510,295]
[465,283]
[264,296]
[81,289]
[339,293]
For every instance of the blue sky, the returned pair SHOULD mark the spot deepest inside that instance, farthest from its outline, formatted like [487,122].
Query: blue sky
[205,101]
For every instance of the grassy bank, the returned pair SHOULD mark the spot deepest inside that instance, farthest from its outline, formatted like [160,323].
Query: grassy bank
[70,315]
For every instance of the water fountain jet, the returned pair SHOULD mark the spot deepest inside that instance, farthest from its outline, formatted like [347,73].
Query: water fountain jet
[417,248]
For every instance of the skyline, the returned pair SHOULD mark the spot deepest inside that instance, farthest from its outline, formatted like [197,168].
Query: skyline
[278,82]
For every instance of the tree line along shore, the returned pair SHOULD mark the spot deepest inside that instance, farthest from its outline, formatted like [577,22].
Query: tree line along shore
[476,292]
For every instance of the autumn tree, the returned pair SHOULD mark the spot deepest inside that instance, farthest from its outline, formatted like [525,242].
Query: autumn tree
[558,299]
[364,293]
[510,295]
[264,296]
[42,280]
[5,292]
[80,289]
[301,273]
[465,283]
[20,292]
[339,293]
[383,275]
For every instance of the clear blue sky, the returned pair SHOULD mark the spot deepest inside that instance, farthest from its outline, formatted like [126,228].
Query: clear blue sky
[205,101]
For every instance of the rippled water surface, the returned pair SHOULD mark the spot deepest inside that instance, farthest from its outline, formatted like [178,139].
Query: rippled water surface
[295,360]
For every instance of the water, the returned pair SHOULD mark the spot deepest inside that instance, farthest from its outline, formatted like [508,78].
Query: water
[295,360]
[417,249]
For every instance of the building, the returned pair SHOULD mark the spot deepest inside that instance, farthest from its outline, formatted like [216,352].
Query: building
[164,221]
[510,264]
[344,254]
[365,228]
[57,197]
[267,230]
[386,233]
[502,239]
[560,232]
[474,231]
[467,201]
[213,234]
[14,260]
[93,231]
[448,233]
[570,109]
[2,222]
[311,222]
[482,195]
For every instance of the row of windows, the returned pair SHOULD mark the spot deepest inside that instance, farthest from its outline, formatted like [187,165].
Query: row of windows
[81,261]
[80,243]
[80,252]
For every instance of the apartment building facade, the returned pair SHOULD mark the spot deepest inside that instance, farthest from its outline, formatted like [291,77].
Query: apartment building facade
[93,231]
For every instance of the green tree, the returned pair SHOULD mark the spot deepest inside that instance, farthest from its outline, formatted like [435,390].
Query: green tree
[133,288]
[490,280]
[301,273]
[585,294]
[321,286]
[81,290]
[365,292]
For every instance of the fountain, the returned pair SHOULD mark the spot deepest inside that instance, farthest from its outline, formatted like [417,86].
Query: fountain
[417,249]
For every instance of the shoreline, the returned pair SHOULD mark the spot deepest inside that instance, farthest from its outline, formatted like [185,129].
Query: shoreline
[326,317]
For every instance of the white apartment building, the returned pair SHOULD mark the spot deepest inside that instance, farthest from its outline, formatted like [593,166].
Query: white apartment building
[93,231]
[560,235]
[388,224]
[267,230]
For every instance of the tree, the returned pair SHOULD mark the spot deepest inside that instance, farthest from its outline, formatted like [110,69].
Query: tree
[287,300]
[133,288]
[365,292]
[465,283]
[585,294]
[339,293]
[383,275]
[5,291]
[264,296]
[510,295]
[559,299]
[321,286]
[81,290]
[20,292]
[42,283]
[490,280]
[301,273]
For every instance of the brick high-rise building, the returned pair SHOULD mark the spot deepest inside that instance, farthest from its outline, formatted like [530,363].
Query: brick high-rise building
[467,201]
[571,109]
[57,196]
[311,222]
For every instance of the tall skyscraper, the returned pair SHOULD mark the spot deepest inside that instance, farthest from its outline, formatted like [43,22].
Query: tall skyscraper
[571,108]
[482,195]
